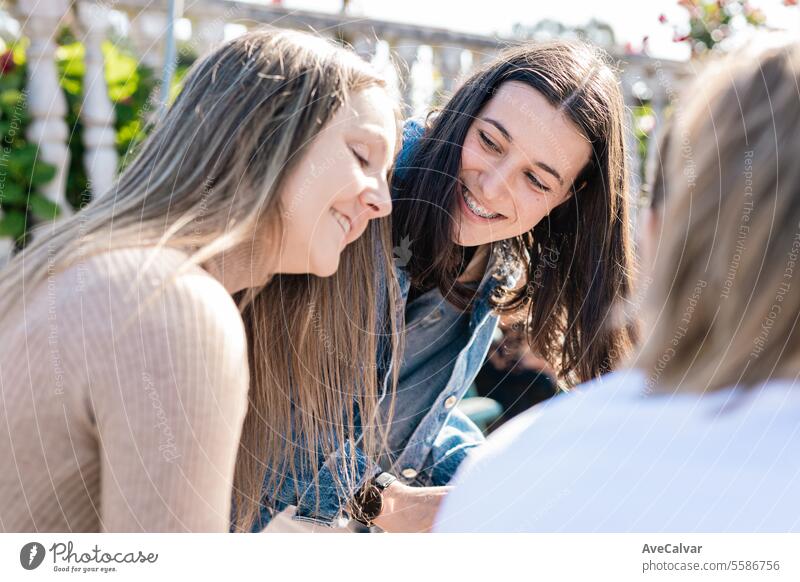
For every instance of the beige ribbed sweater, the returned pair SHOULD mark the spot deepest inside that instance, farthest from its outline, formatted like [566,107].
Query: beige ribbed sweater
[121,410]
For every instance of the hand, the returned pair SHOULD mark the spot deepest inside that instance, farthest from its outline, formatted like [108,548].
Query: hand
[410,509]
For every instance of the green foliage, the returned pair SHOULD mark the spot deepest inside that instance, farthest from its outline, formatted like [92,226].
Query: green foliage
[22,173]
[644,121]
[643,125]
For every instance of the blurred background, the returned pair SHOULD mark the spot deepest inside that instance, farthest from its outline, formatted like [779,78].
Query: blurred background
[81,82]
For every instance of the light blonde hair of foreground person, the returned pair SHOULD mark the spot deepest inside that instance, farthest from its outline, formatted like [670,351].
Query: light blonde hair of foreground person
[724,301]
[207,179]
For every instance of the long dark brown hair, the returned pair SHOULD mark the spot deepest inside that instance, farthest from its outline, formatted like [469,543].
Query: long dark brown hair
[577,261]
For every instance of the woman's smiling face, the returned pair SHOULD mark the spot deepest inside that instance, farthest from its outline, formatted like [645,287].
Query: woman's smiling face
[519,161]
[340,184]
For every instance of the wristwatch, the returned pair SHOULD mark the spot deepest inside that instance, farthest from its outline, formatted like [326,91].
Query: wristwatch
[368,502]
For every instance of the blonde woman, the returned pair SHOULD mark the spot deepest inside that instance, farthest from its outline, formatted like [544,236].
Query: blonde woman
[124,371]
[701,434]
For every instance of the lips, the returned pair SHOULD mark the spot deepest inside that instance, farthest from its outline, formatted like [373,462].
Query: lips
[475,209]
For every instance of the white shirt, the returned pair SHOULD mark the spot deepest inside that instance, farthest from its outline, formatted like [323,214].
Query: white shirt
[609,458]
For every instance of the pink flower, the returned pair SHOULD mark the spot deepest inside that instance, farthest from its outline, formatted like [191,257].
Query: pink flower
[662,18]
[7,63]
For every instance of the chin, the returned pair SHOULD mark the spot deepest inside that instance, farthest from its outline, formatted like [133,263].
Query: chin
[469,240]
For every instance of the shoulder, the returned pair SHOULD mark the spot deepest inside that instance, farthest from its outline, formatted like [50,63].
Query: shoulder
[158,291]
[413,130]
[537,455]
[574,410]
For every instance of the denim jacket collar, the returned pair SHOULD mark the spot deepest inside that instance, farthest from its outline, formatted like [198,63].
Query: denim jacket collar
[502,271]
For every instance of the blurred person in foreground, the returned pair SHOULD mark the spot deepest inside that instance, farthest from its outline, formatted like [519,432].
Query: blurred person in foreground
[699,433]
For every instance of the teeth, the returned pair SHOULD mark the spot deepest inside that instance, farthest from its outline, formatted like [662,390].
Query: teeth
[477,208]
[342,220]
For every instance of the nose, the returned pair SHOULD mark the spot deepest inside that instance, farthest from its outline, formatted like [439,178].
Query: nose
[495,183]
[377,201]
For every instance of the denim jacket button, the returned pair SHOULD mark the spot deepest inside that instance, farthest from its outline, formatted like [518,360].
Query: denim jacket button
[433,317]
[450,402]
[409,473]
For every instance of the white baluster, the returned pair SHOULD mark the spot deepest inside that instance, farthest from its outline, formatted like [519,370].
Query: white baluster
[46,103]
[210,34]
[6,247]
[447,60]
[479,57]
[365,47]
[659,103]
[99,133]
[406,51]
[147,33]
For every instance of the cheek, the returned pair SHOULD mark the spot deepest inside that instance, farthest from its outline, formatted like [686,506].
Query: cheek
[341,184]
[307,198]
[533,207]
[303,205]
[472,158]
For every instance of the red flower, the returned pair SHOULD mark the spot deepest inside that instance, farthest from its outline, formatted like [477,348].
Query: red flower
[7,63]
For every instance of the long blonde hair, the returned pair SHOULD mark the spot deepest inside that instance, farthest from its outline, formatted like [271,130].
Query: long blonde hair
[724,300]
[315,355]
[207,180]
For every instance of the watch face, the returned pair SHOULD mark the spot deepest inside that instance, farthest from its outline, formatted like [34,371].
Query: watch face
[369,505]
[384,480]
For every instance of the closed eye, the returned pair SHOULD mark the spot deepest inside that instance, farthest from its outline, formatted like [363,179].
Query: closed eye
[362,161]
[537,183]
[488,142]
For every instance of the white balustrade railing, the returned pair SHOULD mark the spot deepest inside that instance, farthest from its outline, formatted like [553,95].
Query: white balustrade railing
[147,28]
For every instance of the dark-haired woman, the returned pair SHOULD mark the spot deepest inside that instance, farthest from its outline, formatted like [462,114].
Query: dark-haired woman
[511,199]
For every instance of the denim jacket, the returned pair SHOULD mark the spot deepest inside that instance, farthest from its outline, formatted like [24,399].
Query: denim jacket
[444,351]
[428,437]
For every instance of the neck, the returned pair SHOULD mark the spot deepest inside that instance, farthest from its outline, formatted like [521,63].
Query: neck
[238,268]
[477,266]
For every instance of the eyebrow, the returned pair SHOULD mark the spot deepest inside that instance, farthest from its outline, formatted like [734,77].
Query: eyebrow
[371,134]
[499,126]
